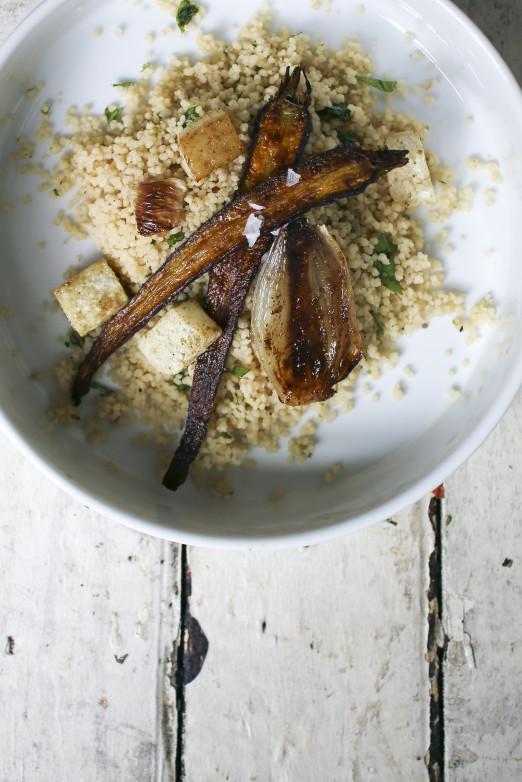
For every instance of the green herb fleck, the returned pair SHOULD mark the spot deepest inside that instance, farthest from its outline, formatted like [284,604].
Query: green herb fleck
[335,111]
[191,115]
[186,12]
[153,241]
[294,35]
[149,274]
[378,323]
[225,51]
[442,182]
[348,136]
[237,371]
[124,84]
[385,246]
[174,238]
[507,563]
[449,519]
[75,339]
[145,66]
[114,114]
[182,387]
[102,390]
[387,270]
[235,399]
[45,109]
[225,436]
[56,193]
[379,84]
[239,94]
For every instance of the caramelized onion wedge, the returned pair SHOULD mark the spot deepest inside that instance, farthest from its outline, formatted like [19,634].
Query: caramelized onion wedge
[340,172]
[158,206]
[280,133]
[303,324]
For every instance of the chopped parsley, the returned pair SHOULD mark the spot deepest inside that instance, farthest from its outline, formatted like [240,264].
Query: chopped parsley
[186,12]
[179,385]
[177,382]
[145,66]
[348,136]
[124,84]
[55,192]
[74,339]
[174,238]
[507,562]
[191,115]
[449,519]
[380,327]
[336,111]
[235,399]
[153,241]
[225,51]
[237,371]
[379,84]
[387,270]
[225,436]
[102,390]
[114,114]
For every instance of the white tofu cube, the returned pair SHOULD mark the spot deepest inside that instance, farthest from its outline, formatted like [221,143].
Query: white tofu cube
[411,185]
[208,143]
[91,297]
[179,337]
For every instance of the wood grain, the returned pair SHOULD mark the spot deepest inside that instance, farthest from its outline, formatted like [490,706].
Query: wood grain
[88,624]
[316,665]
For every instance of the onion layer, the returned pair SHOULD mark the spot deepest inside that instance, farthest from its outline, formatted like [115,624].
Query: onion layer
[303,325]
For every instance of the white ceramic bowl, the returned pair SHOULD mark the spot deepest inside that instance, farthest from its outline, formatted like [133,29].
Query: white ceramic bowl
[392,452]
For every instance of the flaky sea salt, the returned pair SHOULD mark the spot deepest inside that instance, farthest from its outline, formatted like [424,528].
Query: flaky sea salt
[255,206]
[292,178]
[253,229]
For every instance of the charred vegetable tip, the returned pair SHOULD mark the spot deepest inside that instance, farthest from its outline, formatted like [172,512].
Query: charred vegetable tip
[290,84]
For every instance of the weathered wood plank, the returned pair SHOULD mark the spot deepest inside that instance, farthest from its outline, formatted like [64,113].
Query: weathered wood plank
[88,621]
[482,609]
[315,669]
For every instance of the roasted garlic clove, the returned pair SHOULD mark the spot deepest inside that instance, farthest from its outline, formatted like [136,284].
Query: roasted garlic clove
[158,206]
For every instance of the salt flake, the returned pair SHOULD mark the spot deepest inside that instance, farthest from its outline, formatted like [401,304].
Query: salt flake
[252,229]
[255,206]
[292,178]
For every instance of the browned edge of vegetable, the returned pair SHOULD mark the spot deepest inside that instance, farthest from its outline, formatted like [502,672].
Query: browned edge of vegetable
[280,133]
[305,373]
[329,176]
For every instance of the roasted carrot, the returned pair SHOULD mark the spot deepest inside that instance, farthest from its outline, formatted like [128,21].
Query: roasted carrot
[280,133]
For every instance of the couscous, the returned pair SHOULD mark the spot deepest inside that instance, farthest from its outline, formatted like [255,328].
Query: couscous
[106,158]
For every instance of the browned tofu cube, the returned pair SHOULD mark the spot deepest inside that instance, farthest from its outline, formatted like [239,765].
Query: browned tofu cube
[91,297]
[209,143]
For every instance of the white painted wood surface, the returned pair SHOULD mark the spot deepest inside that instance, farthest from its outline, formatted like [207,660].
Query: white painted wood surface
[79,593]
[325,676]
[483,602]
